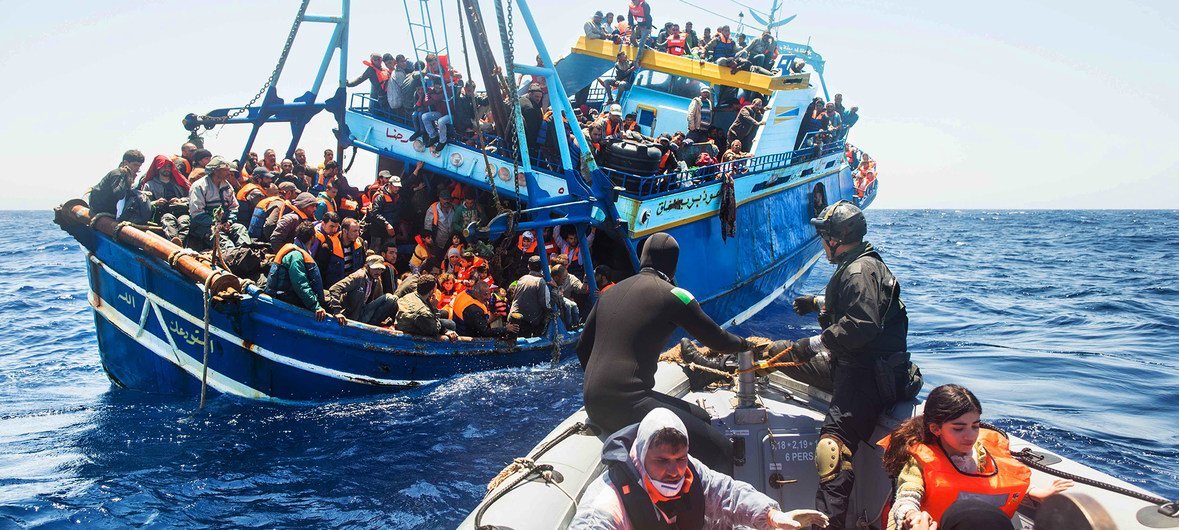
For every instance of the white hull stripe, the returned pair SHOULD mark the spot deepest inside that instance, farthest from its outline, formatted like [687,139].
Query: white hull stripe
[755,308]
[263,352]
[168,352]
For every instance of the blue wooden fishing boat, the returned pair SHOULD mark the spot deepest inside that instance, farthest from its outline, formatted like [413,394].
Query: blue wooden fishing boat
[168,322]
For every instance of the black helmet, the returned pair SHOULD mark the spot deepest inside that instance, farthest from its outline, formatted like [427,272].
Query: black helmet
[842,221]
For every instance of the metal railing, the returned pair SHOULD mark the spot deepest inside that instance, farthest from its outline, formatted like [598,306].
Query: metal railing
[645,187]
[500,149]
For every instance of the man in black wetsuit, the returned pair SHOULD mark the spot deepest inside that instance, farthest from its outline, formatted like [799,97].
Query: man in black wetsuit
[625,333]
[863,347]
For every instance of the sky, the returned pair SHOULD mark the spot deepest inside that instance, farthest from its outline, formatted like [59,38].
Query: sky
[1001,104]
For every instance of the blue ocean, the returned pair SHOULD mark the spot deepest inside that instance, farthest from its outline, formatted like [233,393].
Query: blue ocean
[1063,323]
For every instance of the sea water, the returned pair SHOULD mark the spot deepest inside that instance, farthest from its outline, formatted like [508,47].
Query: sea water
[1063,323]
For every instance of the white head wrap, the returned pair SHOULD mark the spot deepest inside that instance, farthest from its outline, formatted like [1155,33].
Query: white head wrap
[655,421]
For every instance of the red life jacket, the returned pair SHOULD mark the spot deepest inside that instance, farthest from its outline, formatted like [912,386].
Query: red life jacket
[675,45]
[639,14]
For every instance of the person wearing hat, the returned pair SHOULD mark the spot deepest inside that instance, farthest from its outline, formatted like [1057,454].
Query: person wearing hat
[270,209]
[612,123]
[361,296]
[700,115]
[211,200]
[250,194]
[440,219]
[385,211]
[302,209]
[531,110]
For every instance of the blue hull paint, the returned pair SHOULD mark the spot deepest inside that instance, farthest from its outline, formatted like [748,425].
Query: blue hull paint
[150,332]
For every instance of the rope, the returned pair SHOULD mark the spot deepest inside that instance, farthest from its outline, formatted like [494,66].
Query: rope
[351,160]
[529,463]
[205,346]
[95,217]
[1029,458]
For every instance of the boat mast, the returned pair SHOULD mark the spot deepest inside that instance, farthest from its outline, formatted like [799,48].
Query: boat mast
[487,65]
[302,109]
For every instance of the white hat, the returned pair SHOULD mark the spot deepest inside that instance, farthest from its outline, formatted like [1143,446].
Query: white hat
[616,110]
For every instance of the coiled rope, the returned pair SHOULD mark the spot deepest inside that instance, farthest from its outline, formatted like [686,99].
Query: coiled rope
[545,471]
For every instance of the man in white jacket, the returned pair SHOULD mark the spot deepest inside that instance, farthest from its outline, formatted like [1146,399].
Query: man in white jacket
[651,482]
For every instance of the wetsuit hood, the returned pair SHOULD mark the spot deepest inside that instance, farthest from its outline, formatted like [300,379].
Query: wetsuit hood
[662,253]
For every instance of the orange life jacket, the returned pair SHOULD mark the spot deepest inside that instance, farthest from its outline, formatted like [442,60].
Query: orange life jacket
[182,165]
[291,247]
[1001,479]
[382,74]
[337,247]
[464,300]
[244,193]
[349,205]
[331,203]
[529,249]
[609,129]
[265,203]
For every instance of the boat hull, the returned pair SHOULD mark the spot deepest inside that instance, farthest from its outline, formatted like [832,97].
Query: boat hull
[150,326]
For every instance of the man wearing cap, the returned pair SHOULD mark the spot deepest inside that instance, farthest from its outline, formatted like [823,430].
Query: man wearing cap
[252,193]
[360,295]
[385,212]
[439,219]
[700,115]
[531,112]
[612,123]
[530,300]
[270,209]
[211,200]
[303,209]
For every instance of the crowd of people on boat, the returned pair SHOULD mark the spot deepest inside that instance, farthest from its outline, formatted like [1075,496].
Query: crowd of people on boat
[391,254]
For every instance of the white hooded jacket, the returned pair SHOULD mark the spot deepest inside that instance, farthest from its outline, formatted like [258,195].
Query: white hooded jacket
[728,502]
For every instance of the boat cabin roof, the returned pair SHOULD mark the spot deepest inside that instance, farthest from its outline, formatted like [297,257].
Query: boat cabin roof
[693,68]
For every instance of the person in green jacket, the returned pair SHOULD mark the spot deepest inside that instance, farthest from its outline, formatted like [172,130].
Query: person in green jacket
[294,278]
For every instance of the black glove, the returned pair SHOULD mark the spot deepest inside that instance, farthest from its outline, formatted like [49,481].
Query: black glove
[805,304]
[802,351]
